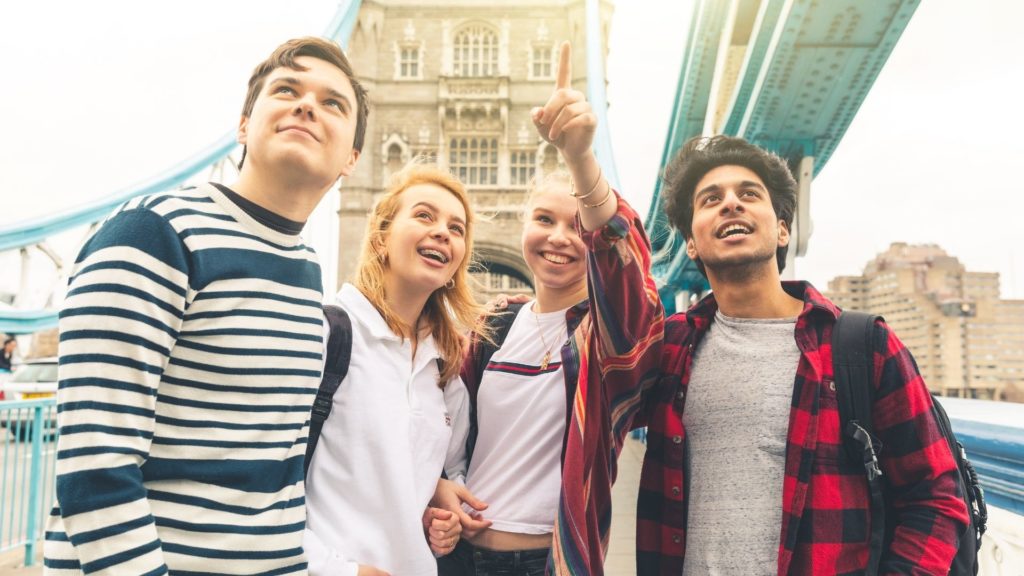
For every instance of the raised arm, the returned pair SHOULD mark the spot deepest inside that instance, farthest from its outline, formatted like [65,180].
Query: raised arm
[120,320]
[626,311]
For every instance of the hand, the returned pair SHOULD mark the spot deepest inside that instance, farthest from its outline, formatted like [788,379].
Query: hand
[451,496]
[442,528]
[501,301]
[567,120]
[370,571]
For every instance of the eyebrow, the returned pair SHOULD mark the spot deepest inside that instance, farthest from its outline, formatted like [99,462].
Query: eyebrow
[718,188]
[435,209]
[293,81]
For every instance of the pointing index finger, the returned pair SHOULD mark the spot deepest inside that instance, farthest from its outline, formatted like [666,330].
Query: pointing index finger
[564,67]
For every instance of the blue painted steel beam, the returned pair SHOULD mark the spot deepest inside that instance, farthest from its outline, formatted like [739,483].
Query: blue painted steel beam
[26,321]
[596,93]
[997,453]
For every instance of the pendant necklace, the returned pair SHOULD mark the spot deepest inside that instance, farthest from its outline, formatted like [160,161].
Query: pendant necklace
[547,349]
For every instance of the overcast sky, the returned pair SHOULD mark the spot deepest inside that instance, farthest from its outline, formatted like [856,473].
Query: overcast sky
[99,95]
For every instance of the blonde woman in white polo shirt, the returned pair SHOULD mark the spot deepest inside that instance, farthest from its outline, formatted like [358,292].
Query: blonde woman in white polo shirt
[401,405]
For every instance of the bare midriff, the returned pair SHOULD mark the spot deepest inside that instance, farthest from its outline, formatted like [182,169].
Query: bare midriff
[509,541]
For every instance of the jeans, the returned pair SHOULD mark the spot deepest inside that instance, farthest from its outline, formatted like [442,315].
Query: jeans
[468,560]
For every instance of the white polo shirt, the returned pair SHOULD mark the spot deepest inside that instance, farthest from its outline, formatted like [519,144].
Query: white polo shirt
[390,431]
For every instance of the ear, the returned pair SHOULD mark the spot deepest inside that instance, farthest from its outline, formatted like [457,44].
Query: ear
[350,164]
[783,234]
[691,250]
[243,130]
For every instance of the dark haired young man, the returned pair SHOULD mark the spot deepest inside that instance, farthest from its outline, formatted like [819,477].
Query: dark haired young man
[191,348]
[744,472]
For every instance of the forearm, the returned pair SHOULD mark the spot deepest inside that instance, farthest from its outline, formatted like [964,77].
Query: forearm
[592,190]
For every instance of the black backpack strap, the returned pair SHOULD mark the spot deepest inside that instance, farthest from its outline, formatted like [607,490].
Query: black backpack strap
[339,354]
[852,366]
[500,325]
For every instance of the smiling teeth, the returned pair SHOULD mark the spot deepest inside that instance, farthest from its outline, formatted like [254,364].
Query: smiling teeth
[556,258]
[734,228]
[435,254]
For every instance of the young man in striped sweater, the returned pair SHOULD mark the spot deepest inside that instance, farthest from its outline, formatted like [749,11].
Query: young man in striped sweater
[190,348]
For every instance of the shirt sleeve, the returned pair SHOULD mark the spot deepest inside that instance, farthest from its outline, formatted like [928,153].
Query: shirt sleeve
[626,312]
[928,511]
[456,399]
[323,561]
[121,318]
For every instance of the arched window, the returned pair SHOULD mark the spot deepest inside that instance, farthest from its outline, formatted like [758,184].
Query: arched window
[474,160]
[476,52]
[394,159]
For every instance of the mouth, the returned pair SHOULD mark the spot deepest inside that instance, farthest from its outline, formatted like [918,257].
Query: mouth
[299,129]
[435,255]
[557,258]
[734,229]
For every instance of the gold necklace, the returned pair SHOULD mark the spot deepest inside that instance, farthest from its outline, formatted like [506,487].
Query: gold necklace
[547,349]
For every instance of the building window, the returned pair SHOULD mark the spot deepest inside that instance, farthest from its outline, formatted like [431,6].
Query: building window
[522,163]
[409,62]
[476,52]
[474,160]
[541,63]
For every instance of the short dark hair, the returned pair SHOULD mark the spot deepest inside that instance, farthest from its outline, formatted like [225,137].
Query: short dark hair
[321,49]
[702,154]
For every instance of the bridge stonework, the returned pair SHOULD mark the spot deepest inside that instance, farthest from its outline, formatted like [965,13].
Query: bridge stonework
[455,82]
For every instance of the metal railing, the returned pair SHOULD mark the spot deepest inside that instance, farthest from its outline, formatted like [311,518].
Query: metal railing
[28,450]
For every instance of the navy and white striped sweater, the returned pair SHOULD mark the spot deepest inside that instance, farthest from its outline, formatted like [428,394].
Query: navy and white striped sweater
[190,353]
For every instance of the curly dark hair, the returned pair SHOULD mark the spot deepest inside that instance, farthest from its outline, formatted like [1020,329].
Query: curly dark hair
[702,154]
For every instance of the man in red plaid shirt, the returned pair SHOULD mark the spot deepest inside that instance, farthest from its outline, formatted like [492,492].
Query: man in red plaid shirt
[745,471]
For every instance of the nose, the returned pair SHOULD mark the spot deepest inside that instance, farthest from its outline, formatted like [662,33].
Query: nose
[559,236]
[731,203]
[305,105]
[441,232]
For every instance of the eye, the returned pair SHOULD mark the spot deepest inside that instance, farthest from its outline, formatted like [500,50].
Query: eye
[751,193]
[283,89]
[424,215]
[457,229]
[710,198]
[543,219]
[332,103]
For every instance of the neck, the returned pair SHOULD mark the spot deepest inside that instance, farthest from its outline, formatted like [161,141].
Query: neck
[405,303]
[293,198]
[551,299]
[754,296]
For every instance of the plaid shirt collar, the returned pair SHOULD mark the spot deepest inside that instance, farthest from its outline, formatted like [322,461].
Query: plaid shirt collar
[700,315]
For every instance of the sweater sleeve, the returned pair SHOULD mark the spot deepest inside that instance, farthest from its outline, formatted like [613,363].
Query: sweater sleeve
[928,512]
[121,318]
[626,313]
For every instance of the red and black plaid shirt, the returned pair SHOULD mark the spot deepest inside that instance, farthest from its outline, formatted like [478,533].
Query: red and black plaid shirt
[825,500]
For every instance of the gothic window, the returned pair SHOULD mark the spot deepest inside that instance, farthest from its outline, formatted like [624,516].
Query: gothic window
[476,52]
[409,62]
[541,62]
[394,159]
[522,164]
[474,160]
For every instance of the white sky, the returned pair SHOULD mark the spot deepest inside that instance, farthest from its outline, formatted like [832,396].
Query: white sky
[99,95]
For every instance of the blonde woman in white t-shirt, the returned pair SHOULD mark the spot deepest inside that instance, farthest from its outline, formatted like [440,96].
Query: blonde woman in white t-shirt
[520,398]
[399,416]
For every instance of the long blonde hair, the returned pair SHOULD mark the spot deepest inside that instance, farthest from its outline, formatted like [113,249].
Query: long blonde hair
[449,312]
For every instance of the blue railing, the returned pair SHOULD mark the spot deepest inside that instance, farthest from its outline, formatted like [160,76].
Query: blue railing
[28,448]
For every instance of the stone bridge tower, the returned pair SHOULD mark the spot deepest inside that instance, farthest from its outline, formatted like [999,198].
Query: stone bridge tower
[455,80]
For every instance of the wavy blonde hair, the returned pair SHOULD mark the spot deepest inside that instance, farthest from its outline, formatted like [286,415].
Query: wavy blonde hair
[449,312]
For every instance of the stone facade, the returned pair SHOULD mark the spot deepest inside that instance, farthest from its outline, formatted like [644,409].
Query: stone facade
[455,80]
[967,341]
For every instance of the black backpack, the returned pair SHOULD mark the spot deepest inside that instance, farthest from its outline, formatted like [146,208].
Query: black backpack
[339,354]
[852,359]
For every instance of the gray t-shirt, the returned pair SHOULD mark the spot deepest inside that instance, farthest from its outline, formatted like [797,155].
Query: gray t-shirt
[736,419]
